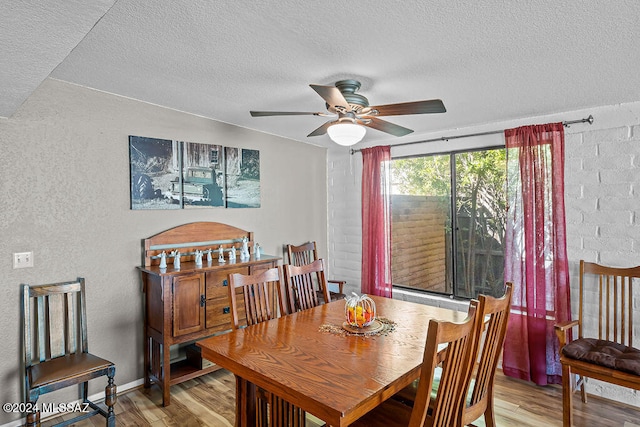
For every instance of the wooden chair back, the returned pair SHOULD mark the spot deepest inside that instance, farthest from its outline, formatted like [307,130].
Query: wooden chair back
[302,254]
[255,291]
[56,353]
[611,288]
[456,367]
[490,333]
[54,321]
[299,291]
[307,253]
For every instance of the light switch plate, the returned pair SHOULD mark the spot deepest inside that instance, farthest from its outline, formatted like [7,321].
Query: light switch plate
[22,259]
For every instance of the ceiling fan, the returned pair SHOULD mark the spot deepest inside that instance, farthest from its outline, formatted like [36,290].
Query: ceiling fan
[354,114]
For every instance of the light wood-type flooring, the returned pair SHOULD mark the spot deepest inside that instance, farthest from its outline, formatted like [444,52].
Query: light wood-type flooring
[210,399]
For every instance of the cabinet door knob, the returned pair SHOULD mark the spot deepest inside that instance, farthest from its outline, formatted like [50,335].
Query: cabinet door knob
[203,300]
[225,282]
[226,310]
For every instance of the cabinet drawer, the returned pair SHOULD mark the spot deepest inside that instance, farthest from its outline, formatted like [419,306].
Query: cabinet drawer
[217,281]
[219,313]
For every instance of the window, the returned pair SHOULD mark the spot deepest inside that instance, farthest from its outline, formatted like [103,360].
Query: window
[458,254]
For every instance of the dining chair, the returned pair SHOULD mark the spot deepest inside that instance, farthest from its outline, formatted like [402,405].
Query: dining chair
[271,410]
[306,254]
[454,364]
[299,290]
[604,347]
[490,333]
[56,354]
[255,290]
[486,350]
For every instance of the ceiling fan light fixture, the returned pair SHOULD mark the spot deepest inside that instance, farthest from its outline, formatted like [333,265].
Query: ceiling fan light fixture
[355,114]
[346,134]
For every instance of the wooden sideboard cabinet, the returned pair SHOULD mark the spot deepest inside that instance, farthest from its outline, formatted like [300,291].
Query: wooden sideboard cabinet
[190,303]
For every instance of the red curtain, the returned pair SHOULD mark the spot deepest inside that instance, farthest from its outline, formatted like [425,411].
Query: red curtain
[536,252]
[376,221]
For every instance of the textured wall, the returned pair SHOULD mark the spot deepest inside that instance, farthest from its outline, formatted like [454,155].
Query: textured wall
[602,198]
[65,187]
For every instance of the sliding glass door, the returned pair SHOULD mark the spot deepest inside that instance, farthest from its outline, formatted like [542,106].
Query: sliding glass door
[459,254]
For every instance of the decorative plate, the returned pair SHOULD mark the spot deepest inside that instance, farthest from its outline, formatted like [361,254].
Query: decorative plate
[375,326]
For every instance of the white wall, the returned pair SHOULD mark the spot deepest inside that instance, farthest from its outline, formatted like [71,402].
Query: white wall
[64,165]
[602,197]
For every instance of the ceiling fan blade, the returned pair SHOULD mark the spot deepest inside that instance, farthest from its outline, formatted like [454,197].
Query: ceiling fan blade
[416,107]
[332,96]
[322,129]
[387,127]
[284,113]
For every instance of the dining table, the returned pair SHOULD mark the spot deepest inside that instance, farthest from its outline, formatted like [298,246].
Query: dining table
[314,361]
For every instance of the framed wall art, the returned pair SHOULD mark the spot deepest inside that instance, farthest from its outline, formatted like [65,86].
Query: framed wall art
[242,177]
[202,175]
[172,174]
[154,164]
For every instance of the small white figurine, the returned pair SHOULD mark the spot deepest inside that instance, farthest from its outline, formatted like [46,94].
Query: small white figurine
[176,260]
[221,255]
[233,253]
[256,251]
[209,256]
[244,252]
[198,258]
[163,260]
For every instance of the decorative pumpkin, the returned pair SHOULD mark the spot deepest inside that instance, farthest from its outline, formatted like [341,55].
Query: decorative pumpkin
[360,311]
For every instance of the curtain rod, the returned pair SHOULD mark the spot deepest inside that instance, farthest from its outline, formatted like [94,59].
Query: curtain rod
[468,135]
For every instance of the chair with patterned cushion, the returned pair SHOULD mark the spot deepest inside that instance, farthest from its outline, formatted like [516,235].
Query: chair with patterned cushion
[56,351]
[454,363]
[306,254]
[604,347]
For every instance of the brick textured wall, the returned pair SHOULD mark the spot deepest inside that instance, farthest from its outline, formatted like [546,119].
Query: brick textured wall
[602,195]
[345,223]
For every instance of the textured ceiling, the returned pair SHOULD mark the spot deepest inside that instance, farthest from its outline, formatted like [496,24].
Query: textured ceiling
[488,61]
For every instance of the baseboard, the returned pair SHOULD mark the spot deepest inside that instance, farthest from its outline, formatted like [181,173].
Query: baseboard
[98,397]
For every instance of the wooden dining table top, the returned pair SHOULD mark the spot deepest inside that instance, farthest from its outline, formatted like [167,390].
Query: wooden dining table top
[336,377]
